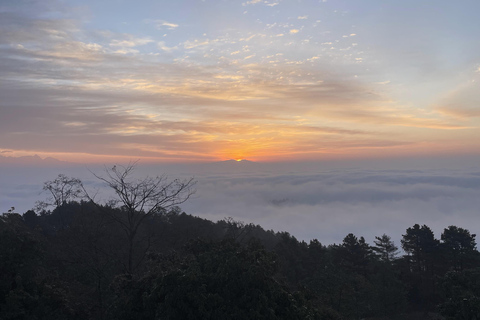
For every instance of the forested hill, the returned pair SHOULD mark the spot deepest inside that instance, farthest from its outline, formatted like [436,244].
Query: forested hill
[79,261]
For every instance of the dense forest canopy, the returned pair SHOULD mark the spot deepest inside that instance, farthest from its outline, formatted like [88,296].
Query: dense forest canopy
[74,258]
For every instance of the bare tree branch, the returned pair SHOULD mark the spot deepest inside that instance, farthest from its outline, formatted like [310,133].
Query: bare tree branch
[139,199]
[62,190]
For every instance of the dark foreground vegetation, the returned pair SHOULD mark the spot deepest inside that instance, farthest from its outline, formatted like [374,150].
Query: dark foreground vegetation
[81,261]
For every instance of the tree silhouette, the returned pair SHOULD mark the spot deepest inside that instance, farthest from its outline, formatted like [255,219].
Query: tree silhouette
[459,245]
[421,244]
[385,248]
[138,199]
[62,189]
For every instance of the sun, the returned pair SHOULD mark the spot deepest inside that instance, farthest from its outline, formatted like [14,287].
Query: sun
[238,160]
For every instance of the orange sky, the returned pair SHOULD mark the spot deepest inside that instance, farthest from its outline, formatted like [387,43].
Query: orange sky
[258,80]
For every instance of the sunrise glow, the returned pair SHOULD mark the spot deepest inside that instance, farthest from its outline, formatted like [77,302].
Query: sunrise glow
[267,80]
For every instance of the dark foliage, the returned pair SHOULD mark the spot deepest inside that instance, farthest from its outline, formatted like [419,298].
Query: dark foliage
[74,263]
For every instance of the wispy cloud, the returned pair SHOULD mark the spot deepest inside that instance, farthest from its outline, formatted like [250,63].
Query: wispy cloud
[267,3]
[252,2]
[462,102]
[131,91]
[130,42]
[161,45]
[163,24]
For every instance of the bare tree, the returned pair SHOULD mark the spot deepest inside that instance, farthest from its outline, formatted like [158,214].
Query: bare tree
[62,190]
[139,199]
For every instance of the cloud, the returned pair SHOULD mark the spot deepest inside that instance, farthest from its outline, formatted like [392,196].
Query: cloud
[330,204]
[251,2]
[162,24]
[161,45]
[267,3]
[325,201]
[75,50]
[293,31]
[196,43]
[130,42]
[462,102]
[119,87]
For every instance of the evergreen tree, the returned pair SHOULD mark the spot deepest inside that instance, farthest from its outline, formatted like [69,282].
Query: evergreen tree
[385,248]
[421,245]
[459,247]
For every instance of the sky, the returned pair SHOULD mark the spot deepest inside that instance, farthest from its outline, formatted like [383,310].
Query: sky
[270,81]
[358,116]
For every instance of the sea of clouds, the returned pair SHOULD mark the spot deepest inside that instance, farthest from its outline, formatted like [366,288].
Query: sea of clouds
[322,202]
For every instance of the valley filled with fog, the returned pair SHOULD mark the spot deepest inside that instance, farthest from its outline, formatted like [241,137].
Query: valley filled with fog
[324,201]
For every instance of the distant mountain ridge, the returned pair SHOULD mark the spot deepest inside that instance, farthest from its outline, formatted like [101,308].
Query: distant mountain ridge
[30,160]
[232,165]
[233,161]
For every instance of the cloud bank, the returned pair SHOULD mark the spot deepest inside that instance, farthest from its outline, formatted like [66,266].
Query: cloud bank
[323,203]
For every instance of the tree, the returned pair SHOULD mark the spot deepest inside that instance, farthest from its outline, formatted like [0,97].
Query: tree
[26,292]
[421,244]
[385,247]
[422,247]
[62,190]
[388,294]
[216,280]
[355,253]
[236,230]
[139,199]
[461,294]
[458,245]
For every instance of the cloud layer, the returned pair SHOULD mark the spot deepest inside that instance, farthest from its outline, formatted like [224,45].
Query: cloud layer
[323,203]
[263,80]
[329,205]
